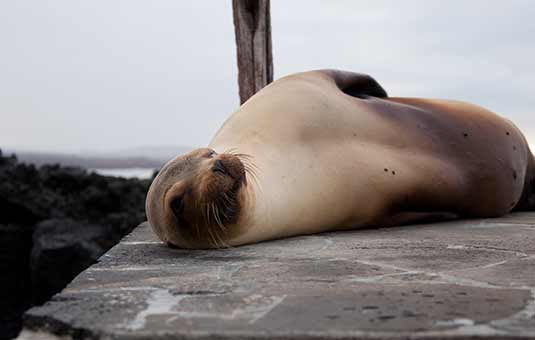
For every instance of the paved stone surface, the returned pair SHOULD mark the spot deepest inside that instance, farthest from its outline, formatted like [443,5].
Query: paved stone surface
[461,279]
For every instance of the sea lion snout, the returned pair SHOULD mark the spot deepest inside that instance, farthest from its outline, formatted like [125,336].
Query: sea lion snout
[229,165]
[219,167]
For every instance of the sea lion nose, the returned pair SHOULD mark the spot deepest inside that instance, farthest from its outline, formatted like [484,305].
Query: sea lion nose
[219,167]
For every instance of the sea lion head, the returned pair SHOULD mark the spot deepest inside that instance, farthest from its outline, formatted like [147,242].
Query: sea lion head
[197,199]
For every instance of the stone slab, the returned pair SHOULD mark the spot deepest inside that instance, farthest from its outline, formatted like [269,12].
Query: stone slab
[461,279]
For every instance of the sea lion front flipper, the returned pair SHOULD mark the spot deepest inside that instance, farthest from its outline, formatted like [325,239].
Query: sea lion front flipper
[357,85]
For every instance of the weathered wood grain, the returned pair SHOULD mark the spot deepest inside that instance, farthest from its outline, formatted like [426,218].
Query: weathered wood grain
[252,25]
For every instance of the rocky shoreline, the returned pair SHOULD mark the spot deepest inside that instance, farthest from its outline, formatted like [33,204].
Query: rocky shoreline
[56,221]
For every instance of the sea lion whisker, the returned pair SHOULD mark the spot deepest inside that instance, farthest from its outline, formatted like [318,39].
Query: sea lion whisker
[213,240]
[228,200]
[245,158]
[243,155]
[213,219]
[218,219]
[211,232]
[207,212]
[240,155]
[214,215]
[250,169]
[252,174]
[207,217]
[231,151]
[222,243]
[203,208]
[229,209]
[247,162]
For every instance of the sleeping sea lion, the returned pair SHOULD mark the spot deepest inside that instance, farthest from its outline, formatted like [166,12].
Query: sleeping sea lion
[329,150]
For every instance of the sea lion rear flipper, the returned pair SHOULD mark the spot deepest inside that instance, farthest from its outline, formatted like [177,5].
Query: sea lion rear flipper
[356,84]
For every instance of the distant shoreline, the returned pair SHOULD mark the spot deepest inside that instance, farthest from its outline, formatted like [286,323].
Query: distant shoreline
[89,162]
[135,158]
[140,173]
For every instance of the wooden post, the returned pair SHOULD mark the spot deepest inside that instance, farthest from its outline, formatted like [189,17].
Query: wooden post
[252,25]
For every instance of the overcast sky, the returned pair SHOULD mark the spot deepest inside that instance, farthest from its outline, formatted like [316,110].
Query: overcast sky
[104,75]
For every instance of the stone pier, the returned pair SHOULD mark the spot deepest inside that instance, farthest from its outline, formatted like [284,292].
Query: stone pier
[472,279]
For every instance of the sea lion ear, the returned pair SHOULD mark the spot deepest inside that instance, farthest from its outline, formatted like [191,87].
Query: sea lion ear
[357,84]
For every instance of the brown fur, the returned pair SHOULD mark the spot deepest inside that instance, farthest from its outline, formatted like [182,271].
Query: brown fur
[209,203]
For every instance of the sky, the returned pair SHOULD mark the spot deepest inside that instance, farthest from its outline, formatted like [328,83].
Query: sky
[103,75]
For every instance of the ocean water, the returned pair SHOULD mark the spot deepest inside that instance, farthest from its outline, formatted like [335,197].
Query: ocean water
[141,173]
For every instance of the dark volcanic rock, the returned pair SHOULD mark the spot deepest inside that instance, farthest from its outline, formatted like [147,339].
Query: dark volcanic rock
[57,244]
[54,222]
[15,293]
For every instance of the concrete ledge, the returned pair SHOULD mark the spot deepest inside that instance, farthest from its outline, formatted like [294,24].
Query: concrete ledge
[462,280]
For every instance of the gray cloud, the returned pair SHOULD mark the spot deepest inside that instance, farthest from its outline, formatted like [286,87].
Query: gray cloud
[78,75]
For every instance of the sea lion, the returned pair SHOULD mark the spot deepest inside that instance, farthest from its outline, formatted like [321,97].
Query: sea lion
[329,150]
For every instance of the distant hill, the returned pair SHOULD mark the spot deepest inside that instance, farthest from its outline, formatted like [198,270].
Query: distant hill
[142,157]
[164,153]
